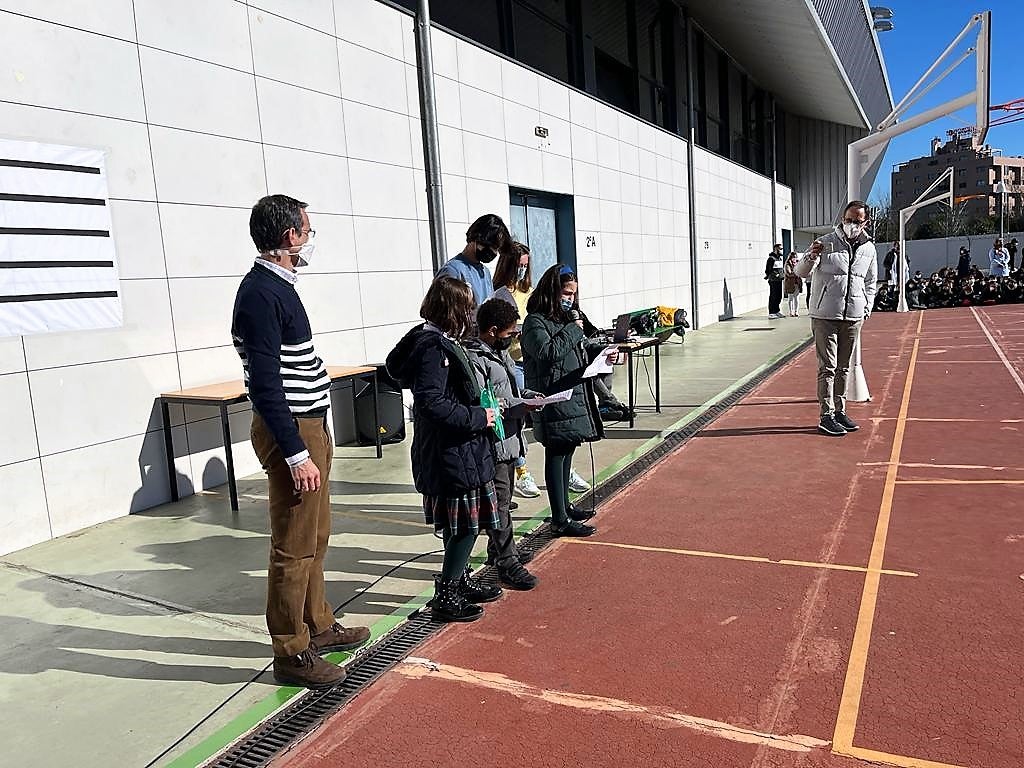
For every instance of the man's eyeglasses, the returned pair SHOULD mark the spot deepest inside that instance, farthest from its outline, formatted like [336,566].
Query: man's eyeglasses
[310,232]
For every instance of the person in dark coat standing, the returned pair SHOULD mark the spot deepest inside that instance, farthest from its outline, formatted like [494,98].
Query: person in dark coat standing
[452,451]
[773,273]
[555,354]
[1011,248]
[963,264]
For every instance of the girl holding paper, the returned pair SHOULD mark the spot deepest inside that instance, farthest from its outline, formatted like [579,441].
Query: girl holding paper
[555,354]
[452,453]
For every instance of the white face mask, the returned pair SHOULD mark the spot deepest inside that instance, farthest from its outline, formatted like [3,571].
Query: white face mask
[851,230]
[521,272]
[302,255]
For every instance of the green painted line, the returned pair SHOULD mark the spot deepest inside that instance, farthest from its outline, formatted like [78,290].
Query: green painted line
[260,711]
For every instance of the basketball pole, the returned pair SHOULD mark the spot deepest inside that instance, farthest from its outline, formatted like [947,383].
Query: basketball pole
[862,154]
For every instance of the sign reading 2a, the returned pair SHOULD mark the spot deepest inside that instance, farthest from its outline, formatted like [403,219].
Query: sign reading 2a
[591,241]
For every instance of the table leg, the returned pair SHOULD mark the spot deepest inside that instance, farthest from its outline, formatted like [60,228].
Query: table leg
[632,390]
[172,472]
[657,378]
[376,414]
[229,459]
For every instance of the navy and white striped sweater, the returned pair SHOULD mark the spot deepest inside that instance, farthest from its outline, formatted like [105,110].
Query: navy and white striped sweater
[283,375]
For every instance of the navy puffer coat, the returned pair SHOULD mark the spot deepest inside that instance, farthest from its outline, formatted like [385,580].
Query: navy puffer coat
[452,445]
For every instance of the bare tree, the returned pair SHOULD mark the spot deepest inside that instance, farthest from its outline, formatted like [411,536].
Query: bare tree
[886,220]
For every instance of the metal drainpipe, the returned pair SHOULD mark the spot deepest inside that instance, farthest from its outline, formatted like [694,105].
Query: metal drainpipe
[691,192]
[775,222]
[431,144]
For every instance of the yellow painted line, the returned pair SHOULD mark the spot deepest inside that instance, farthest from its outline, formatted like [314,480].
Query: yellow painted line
[416,668]
[973,421]
[744,558]
[953,481]
[853,685]
[920,465]
[886,758]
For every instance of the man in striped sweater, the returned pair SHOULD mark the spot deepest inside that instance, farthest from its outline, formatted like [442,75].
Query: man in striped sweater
[289,389]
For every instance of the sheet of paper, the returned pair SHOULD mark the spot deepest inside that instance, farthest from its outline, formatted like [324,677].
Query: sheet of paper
[600,364]
[558,397]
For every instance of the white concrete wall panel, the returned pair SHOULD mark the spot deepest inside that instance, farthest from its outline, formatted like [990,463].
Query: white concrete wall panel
[25,520]
[219,102]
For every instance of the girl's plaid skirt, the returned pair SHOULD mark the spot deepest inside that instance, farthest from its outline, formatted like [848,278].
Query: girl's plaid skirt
[471,512]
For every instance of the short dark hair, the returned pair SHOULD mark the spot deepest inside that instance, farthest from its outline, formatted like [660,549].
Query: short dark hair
[546,299]
[496,313]
[271,218]
[858,204]
[491,231]
[508,267]
[449,305]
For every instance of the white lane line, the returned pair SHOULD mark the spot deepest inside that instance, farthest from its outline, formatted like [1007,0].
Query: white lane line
[999,351]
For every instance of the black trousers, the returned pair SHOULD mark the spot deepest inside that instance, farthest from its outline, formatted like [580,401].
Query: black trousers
[774,297]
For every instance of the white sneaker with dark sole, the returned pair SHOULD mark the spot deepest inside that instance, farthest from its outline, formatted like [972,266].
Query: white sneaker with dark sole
[576,483]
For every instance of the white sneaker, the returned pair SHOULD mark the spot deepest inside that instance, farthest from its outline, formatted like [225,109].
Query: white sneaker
[576,483]
[526,486]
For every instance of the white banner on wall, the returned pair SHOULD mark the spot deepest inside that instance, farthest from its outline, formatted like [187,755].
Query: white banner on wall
[58,268]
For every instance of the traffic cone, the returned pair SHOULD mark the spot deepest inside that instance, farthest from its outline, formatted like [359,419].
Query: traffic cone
[856,384]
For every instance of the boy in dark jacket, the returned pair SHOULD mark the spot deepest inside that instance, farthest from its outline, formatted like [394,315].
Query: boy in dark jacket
[497,320]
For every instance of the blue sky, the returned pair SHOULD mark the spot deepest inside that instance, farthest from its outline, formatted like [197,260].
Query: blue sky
[923,30]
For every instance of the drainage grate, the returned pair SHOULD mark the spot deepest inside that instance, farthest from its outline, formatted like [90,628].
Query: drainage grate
[312,708]
[756,329]
[305,715]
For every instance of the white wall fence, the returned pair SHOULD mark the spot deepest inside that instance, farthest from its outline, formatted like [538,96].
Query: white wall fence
[934,254]
[203,107]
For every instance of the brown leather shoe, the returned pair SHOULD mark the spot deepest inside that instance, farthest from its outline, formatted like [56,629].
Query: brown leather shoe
[307,670]
[339,638]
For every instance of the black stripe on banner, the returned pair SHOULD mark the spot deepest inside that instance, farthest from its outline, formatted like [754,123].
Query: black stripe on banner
[16,198]
[47,166]
[58,296]
[45,264]
[45,231]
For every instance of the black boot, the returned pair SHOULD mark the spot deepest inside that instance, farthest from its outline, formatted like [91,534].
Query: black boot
[449,605]
[579,515]
[472,590]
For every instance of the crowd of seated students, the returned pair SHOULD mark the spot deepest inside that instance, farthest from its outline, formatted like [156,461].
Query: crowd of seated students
[964,286]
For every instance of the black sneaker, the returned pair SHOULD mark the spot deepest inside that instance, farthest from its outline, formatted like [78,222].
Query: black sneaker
[580,515]
[512,506]
[573,529]
[829,426]
[516,577]
[845,422]
[524,555]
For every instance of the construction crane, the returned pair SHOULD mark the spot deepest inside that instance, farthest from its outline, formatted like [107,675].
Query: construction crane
[1014,111]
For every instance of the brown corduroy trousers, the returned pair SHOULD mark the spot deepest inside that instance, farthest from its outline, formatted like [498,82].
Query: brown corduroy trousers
[300,526]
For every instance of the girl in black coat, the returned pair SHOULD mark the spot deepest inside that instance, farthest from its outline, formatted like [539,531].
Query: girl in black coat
[452,454]
[556,353]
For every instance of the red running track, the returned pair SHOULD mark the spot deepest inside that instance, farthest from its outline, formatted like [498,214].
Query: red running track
[765,596]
